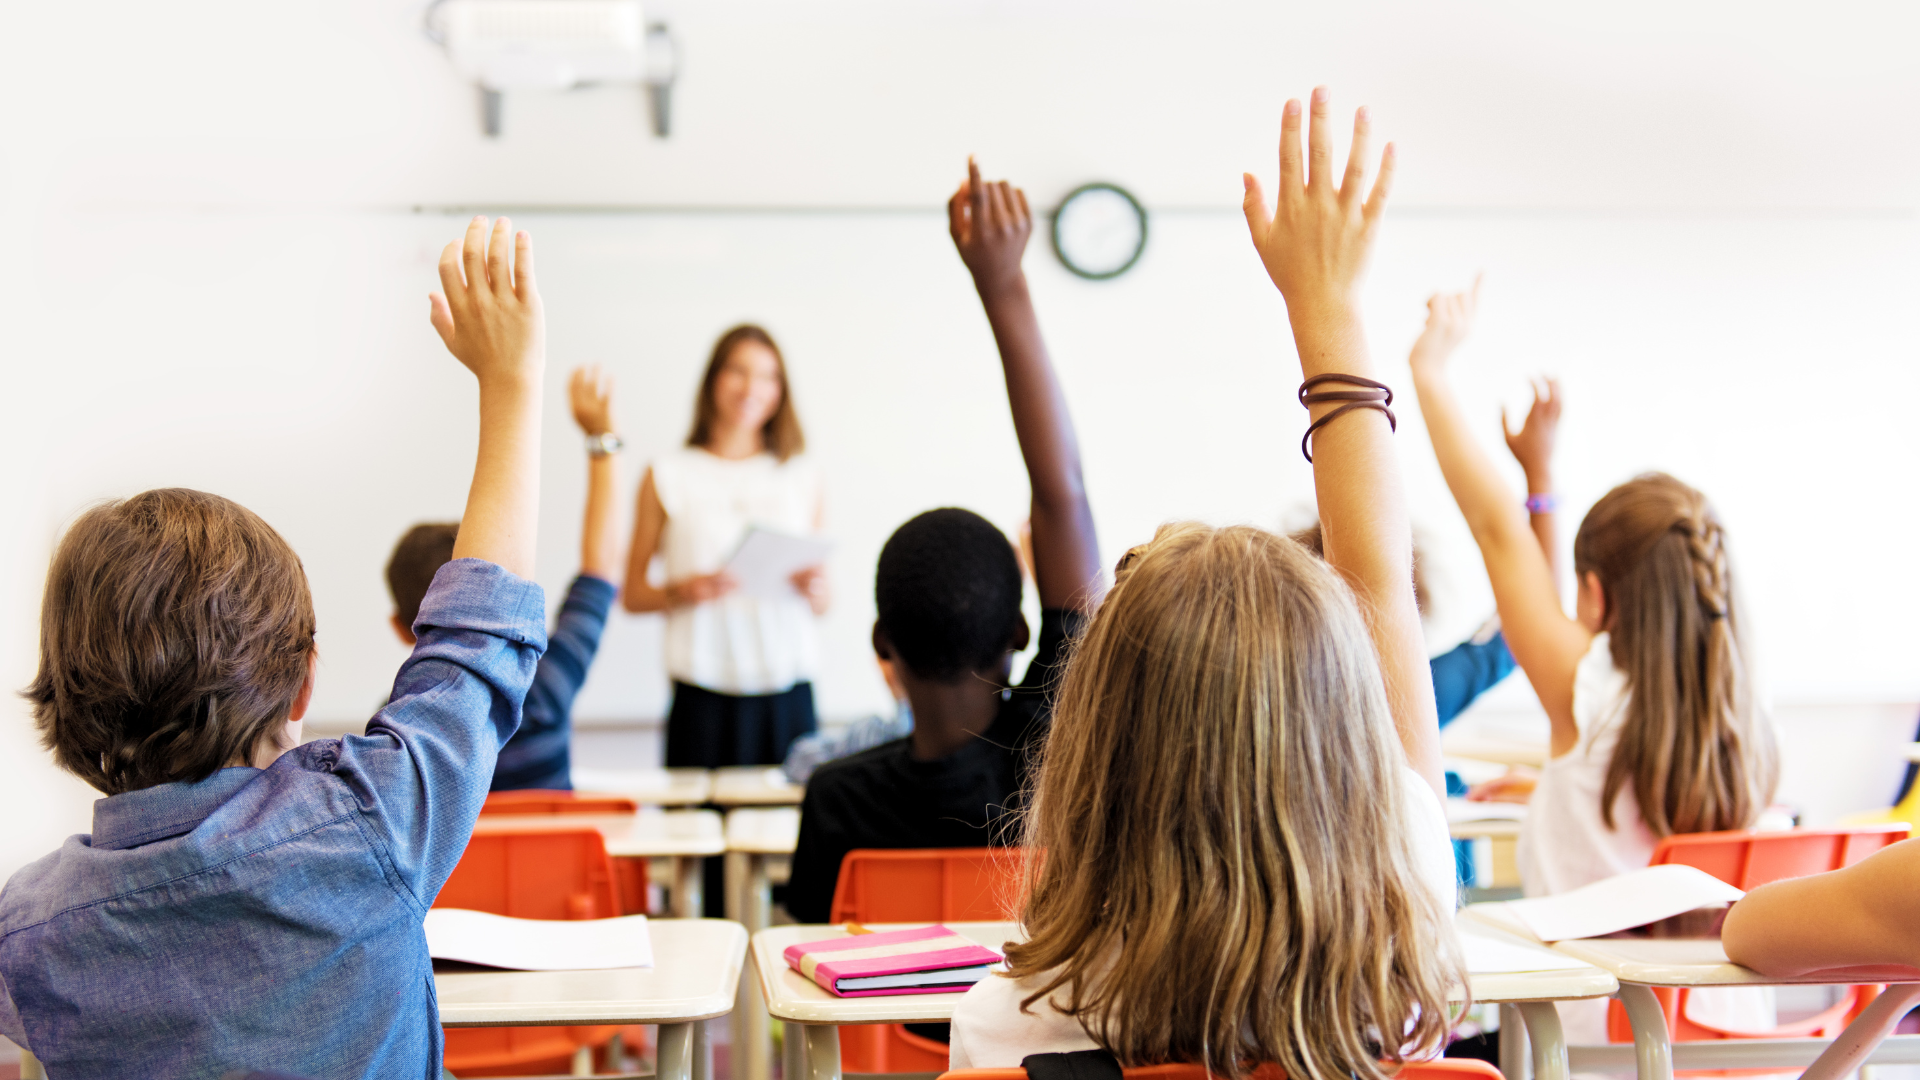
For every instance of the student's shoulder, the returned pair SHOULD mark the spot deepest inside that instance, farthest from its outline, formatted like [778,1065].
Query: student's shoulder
[858,774]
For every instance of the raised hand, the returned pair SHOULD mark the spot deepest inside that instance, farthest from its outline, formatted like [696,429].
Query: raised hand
[590,392]
[490,315]
[1316,240]
[990,224]
[1450,319]
[1532,445]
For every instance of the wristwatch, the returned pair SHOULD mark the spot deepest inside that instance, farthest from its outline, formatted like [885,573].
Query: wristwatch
[603,444]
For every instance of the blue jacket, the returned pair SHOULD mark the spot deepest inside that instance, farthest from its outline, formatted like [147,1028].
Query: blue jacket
[271,919]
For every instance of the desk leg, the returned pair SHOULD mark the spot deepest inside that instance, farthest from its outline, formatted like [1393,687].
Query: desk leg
[686,887]
[674,1055]
[793,1052]
[1652,1046]
[752,1042]
[702,1052]
[1513,1044]
[1861,1037]
[823,1052]
[1549,1042]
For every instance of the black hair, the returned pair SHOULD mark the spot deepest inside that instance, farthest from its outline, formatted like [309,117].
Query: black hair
[948,593]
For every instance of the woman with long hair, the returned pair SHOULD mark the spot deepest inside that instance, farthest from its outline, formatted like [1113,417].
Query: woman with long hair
[741,665]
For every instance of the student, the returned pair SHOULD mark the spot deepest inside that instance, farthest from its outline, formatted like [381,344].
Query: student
[1655,729]
[1858,917]
[948,592]
[246,901]
[539,754]
[1245,858]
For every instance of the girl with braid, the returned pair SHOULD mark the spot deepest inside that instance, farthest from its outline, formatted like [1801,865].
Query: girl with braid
[1655,726]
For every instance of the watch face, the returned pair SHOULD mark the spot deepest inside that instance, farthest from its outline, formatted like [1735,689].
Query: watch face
[1099,231]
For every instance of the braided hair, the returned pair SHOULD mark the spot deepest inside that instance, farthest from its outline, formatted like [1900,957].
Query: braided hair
[1694,746]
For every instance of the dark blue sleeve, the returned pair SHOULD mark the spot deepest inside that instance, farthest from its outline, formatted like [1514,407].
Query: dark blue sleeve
[420,772]
[538,755]
[1466,672]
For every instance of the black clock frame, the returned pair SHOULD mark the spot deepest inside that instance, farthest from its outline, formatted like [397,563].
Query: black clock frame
[1140,212]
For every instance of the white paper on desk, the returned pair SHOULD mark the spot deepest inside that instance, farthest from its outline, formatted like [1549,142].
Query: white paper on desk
[479,937]
[765,562]
[1492,956]
[1622,902]
[1463,810]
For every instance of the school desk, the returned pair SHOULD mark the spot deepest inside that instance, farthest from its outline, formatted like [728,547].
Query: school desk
[1503,841]
[648,787]
[683,836]
[756,838]
[1643,963]
[754,785]
[813,1051]
[696,968]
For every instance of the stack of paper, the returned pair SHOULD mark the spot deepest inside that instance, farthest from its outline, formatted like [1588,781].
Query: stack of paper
[478,937]
[1622,902]
[927,960]
[765,562]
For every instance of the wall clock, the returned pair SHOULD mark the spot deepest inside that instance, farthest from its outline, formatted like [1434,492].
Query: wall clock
[1099,231]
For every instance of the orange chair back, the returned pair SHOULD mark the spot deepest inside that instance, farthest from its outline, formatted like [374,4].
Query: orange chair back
[556,802]
[1748,858]
[927,885]
[1440,1069]
[563,874]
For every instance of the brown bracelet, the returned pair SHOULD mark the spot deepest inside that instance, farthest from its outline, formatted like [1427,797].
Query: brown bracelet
[1379,396]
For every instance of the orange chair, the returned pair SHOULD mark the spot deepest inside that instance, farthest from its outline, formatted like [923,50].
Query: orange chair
[561,874]
[535,801]
[917,885]
[1439,1069]
[1747,859]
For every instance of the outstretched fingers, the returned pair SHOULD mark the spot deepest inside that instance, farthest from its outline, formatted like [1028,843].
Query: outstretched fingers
[523,265]
[957,207]
[473,258]
[1290,178]
[976,194]
[1254,204]
[441,317]
[1382,184]
[1320,141]
[1351,184]
[499,273]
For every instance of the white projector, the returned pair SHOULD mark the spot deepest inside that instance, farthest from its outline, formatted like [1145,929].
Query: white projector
[554,45]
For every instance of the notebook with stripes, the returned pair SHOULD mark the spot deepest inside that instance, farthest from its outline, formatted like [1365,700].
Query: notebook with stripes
[926,960]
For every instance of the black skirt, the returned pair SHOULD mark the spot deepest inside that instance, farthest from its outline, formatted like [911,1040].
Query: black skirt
[709,730]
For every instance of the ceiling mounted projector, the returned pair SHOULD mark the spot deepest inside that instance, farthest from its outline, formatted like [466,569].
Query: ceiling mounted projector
[507,45]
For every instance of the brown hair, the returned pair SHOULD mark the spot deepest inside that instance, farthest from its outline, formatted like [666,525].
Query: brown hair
[175,634]
[416,558]
[1226,878]
[782,430]
[1694,746]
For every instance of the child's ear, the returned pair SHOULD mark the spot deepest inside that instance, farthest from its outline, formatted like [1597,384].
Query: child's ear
[305,697]
[1022,634]
[404,631]
[882,646]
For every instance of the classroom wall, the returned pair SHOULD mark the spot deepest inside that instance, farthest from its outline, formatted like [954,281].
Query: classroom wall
[224,233]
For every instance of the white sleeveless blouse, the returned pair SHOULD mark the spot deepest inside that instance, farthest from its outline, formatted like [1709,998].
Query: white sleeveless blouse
[736,644]
[1564,844]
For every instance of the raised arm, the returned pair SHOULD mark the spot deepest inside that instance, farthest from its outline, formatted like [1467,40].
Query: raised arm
[1532,447]
[491,319]
[1315,244]
[1544,641]
[590,392]
[990,225]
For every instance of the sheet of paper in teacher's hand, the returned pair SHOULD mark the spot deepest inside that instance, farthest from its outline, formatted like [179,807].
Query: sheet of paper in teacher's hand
[1622,902]
[765,562]
[479,937]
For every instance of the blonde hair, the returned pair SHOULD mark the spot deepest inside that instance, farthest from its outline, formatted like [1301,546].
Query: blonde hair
[1694,746]
[1220,870]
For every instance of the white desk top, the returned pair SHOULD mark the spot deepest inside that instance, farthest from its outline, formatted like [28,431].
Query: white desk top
[754,785]
[696,970]
[652,832]
[771,830]
[790,997]
[648,787]
[1677,961]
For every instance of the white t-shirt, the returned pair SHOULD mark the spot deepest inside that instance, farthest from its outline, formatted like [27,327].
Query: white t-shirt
[736,644]
[990,1032]
[1564,844]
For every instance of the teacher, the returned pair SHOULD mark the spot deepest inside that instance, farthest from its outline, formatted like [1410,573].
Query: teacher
[741,665]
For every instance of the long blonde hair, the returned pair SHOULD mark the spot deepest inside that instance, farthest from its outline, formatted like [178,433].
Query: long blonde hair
[1220,871]
[1694,747]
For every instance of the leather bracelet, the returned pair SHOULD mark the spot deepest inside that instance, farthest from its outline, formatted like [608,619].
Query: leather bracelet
[1379,396]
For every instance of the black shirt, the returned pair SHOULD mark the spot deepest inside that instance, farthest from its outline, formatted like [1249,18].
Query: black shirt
[883,798]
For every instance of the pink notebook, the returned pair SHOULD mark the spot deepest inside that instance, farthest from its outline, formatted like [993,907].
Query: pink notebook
[927,960]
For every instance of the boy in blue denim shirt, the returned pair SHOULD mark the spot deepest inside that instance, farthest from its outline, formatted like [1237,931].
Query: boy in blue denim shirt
[244,901]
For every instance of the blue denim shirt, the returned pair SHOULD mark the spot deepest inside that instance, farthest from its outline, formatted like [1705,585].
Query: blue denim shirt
[271,919]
